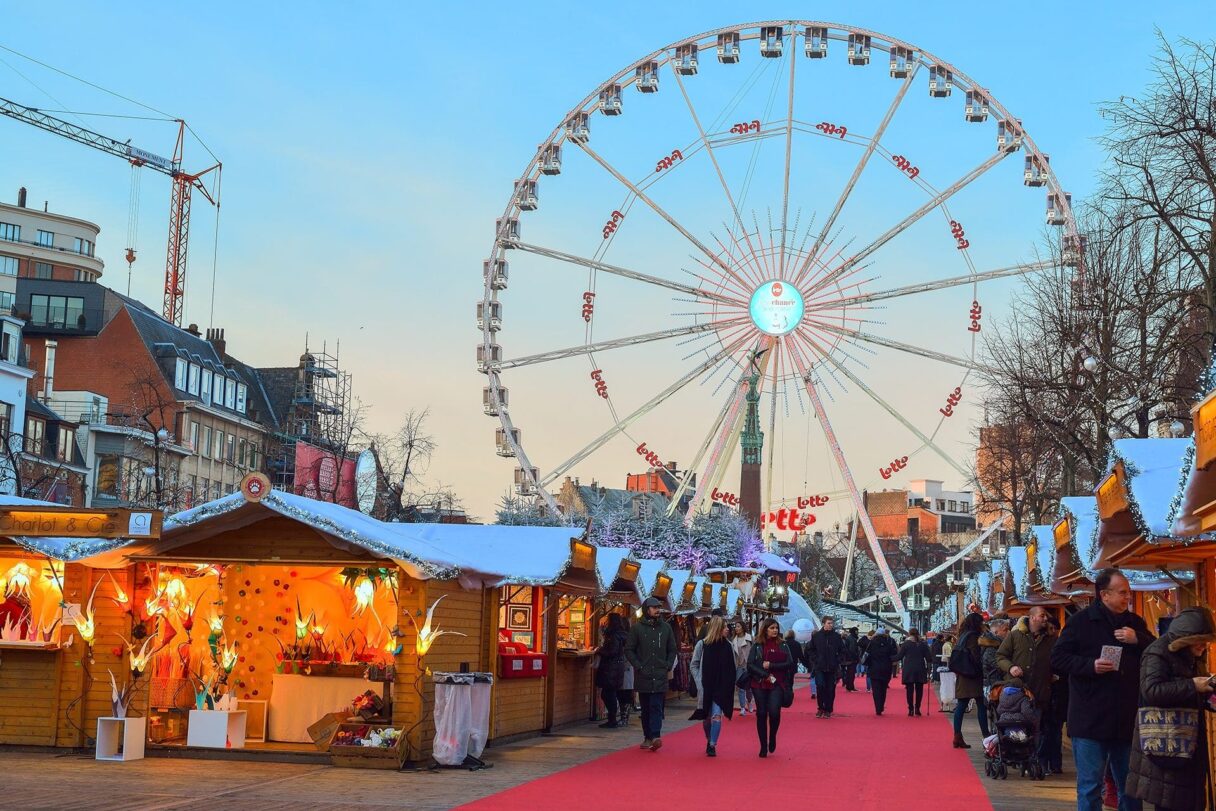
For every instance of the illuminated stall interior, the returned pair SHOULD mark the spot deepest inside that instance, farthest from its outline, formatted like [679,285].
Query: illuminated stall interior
[32,589]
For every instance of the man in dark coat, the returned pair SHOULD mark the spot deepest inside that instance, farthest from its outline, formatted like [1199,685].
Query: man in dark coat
[1170,678]
[651,649]
[1024,659]
[824,654]
[852,653]
[862,644]
[935,651]
[1103,690]
[880,659]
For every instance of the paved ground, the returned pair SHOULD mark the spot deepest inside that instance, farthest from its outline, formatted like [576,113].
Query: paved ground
[62,782]
[44,782]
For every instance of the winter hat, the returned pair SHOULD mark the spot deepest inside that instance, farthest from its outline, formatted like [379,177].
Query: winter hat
[652,602]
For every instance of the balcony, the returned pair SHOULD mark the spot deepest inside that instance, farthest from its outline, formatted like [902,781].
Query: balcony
[63,256]
[43,320]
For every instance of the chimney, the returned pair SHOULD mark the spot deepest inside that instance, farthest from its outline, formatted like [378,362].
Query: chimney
[215,337]
[21,197]
[48,386]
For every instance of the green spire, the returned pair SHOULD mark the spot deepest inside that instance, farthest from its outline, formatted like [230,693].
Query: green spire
[753,437]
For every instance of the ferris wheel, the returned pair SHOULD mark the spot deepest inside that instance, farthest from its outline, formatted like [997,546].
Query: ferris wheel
[777,227]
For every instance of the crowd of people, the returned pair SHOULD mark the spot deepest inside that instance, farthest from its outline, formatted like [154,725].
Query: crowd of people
[1132,703]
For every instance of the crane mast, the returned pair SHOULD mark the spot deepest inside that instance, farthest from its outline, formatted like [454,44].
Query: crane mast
[183,186]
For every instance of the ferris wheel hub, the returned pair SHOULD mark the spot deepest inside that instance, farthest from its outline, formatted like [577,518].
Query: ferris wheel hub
[776,307]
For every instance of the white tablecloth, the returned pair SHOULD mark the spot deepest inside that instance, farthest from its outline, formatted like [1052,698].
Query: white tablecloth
[297,702]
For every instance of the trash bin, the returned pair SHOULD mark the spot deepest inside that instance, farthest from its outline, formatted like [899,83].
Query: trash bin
[945,689]
[462,716]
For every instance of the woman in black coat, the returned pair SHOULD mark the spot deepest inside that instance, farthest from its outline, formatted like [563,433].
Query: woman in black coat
[768,663]
[1169,678]
[713,667]
[610,674]
[881,655]
[914,664]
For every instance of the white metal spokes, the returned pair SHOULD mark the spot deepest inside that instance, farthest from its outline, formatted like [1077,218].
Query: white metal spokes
[861,165]
[817,304]
[896,230]
[789,143]
[626,273]
[859,506]
[649,406]
[617,343]
[890,343]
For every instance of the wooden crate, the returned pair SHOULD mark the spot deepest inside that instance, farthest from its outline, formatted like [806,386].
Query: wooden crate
[367,757]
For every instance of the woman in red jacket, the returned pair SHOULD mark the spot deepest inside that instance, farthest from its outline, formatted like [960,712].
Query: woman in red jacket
[767,664]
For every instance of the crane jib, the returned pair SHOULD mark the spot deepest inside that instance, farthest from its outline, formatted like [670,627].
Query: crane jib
[149,157]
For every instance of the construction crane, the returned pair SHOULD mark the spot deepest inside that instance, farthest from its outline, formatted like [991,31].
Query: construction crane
[184,184]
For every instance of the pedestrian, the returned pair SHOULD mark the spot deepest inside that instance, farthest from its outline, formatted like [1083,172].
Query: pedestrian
[966,663]
[823,654]
[990,643]
[862,644]
[852,654]
[610,670]
[767,663]
[651,649]
[935,648]
[880,658]
[915,661]
[741,643]
[795,649]
[1170,679]
[1100,649]
[713,667]
[1024,660]
[1053,728]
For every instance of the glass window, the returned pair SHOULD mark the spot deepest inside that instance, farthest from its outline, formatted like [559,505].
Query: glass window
[35,432]
[107,476]
[43,270]
[241,394]
[67,444]
[193,436]
[205,448]
[6,415]
[46,238]
[179,374]
[217,450]
[253,456]
[10,343]
[193,381]
[217,389]
[7,301]
[953,506]
[205,386]
[83,246]
[241,452]
[57,310]
[8,265]
[230,394]
[10,232]
[231,455]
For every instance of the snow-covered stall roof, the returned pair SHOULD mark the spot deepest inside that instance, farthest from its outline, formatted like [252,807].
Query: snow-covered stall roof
[1044,541]
[1019,570]
[771,561]
[798,609]
[679,577]
[68,550]
[1082,512]
[494,555]
[695,606]
[1156,470]
[648,575]
[608,563]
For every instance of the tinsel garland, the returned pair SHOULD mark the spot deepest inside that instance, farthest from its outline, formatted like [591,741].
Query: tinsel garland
[69,549]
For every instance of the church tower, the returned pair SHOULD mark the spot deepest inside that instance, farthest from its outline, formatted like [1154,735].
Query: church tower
[752,441]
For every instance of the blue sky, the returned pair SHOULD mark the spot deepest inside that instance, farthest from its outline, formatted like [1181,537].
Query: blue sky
[368,152]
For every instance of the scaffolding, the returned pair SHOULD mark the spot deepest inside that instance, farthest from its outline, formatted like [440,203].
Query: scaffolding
[319,413]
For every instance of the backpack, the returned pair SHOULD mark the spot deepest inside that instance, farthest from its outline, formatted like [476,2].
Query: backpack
[961,662]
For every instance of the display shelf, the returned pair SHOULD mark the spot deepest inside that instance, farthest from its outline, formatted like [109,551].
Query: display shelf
[121,739]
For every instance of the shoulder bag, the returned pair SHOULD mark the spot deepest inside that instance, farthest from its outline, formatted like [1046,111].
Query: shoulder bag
[1169,734]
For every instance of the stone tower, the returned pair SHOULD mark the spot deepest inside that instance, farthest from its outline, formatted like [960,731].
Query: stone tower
[752,441]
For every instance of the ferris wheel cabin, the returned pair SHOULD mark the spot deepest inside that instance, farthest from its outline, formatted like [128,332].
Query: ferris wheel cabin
[1055,212]
[508,230]
[859,49]
[610,100]
[941,81]
[493,405]
[686,59]
[771,41]
[728,48]
[816,42]
[502,444]
[976,109]
[494,321]
[488,358]
[1009,135]
[902,61]
[1035,172]
[495,272]
[646,77]
[578,128]
[525,195]
[525,480]
[550,159]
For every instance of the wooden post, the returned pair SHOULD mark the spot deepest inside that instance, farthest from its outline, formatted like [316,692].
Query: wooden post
[550,638]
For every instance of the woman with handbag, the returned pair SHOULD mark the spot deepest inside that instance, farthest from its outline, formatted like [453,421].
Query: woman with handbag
[966,662]
[766,667]
[610,671]
[1169,751]
[713,670]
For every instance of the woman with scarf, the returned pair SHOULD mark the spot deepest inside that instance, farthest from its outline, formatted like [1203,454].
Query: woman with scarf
[767,664]
[713,669]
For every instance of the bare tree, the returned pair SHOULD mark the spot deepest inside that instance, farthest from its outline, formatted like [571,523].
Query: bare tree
[404,457]
[1017,470]
[1162,167]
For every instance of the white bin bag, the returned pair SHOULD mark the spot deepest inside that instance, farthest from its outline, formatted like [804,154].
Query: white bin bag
[945,690]
[462,716]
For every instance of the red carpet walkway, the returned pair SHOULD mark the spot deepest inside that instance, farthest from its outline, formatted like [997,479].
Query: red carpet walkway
[854,760]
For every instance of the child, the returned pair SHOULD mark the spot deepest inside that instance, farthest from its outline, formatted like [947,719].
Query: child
[1015,707]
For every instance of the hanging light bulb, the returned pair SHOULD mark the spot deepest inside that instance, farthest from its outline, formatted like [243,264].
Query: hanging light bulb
[1177,429]
[1114,432]
[1090,363]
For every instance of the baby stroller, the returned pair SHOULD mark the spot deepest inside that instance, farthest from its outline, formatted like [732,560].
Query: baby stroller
[1015,743]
